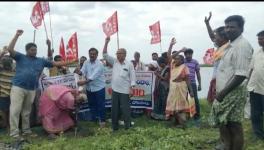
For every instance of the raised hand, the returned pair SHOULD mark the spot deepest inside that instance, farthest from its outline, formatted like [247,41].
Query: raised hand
[19,32]
[173,41]
[48,42]
[206,20]
[5,49]
[107,39]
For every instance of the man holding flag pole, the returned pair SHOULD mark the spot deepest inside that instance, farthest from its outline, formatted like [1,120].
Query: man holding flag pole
[123,83]
[110,27]
[37,16]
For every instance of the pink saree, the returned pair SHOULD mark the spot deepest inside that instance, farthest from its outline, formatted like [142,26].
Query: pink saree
[55,105]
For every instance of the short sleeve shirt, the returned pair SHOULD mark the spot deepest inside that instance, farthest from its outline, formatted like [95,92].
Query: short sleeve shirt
[28,71]
[256,81]
[193,66]
[235,61]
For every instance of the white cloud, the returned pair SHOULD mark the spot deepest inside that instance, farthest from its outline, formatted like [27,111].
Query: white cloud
[184,20]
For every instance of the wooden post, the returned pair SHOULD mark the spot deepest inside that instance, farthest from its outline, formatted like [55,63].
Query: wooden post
[117,41]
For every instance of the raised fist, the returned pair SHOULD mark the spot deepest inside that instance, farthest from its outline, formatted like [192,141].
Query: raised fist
[19,32]
[48,42]
[173,41]
[107,39]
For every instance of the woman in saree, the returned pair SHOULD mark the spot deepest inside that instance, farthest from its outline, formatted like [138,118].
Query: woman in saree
[57,102]
[180,102]
[161,90]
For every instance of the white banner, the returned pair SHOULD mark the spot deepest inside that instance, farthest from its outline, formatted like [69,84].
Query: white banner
[143,93]
[67,80]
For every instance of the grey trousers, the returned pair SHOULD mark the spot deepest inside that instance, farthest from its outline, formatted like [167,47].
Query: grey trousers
[21,103]
[120,102]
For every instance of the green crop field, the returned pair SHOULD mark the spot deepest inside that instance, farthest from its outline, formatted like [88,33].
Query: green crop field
[146,134]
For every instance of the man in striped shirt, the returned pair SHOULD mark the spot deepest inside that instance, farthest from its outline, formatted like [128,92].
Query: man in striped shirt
[6,74]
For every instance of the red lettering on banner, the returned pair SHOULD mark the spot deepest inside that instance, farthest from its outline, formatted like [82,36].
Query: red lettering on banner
[138,92]
[109,91]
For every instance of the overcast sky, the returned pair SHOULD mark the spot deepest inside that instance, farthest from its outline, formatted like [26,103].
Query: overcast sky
[182,20]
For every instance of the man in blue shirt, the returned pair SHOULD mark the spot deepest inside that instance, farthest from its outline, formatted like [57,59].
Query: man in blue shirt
[93,71]
[24,84]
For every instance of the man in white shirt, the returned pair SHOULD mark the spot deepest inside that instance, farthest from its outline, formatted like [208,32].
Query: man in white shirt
[93,71]
[123,82]
[228,107]
[256,88]
[155,56]
[138,65]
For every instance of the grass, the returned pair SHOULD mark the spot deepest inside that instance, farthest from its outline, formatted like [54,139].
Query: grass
[147,134]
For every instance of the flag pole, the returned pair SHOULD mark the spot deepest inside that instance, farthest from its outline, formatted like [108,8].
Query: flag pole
[45,28]
[117,40]
[42,15]
[34,36]
[160,37]
[51,32]
[160,47]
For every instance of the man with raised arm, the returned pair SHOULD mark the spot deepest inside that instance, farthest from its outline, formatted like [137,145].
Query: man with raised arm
[24,84]
[219,37]
[123,82]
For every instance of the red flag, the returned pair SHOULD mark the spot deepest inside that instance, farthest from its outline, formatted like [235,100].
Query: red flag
[155,33]
[208,57]
[72,48]
[111,25]
[44,7]
[62,49]
[36,16]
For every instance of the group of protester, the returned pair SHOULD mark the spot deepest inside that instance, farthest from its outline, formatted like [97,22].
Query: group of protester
[175,94]
[235,71]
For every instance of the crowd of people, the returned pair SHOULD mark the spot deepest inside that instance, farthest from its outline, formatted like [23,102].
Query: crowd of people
[236,72]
